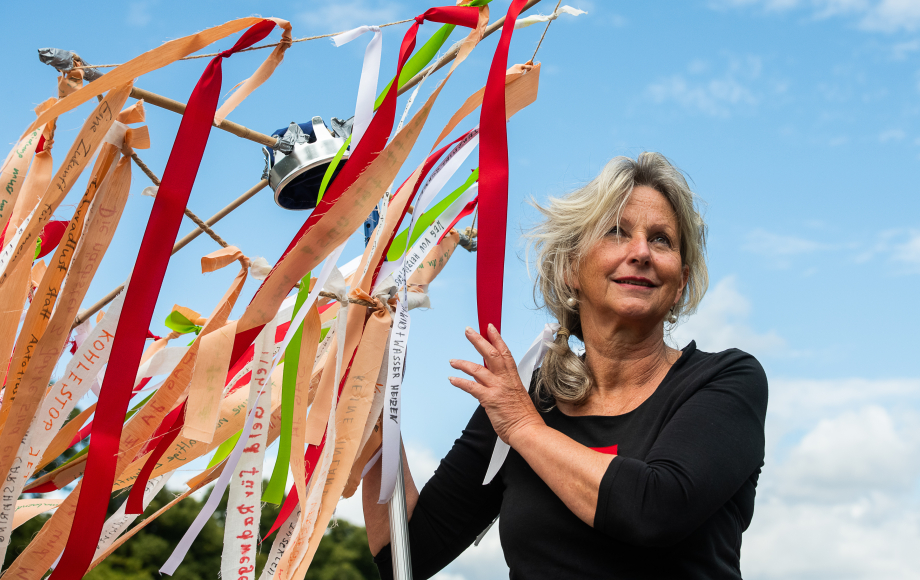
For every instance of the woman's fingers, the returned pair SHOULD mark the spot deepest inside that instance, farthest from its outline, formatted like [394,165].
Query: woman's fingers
[483,346]
[499,343]
[482,375]
[469,386]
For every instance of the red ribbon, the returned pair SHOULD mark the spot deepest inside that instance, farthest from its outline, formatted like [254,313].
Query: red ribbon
[51,236]
[467,210]
[493,183]
[140,300]
[371,144]
[135,504]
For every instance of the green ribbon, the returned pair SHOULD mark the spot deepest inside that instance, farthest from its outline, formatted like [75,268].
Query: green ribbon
[223,451]
[327,177]
[424,221]
[181,324]
[38,249]
[274,492]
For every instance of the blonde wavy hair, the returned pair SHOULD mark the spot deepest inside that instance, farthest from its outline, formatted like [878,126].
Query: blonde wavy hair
[572,225]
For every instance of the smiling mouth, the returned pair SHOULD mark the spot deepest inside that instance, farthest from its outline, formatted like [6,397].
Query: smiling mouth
[634,282]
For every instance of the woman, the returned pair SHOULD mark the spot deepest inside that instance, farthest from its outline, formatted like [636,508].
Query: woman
[636,460]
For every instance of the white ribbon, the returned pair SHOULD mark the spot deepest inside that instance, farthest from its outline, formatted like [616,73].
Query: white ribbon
[81,332]
[10,248]
[391,274]
[287,308]
[536,18]
[244,507]
[399,336]
[445,170]
[367,88]
[280,545]
[324,274]
[396,366]
[438,179]
[526,366]
[169,567]
[336,285]
[259,268]
[119,522]
[161,363]
[116,134]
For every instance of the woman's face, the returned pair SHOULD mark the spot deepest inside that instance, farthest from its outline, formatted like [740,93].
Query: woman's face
[635,273]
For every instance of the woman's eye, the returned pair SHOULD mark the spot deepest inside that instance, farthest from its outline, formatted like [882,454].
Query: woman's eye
[662,239]
[615,231]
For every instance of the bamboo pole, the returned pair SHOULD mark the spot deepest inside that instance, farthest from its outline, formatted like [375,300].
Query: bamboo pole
[228,126]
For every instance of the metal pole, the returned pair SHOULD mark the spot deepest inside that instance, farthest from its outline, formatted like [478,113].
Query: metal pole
[399,528]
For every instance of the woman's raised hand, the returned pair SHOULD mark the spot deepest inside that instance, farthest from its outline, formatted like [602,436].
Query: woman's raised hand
[497,386]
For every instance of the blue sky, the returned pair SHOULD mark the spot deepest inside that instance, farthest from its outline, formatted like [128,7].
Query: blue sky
[797,121]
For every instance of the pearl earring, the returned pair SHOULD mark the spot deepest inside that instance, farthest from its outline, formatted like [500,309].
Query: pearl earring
[672,318]
[572,302]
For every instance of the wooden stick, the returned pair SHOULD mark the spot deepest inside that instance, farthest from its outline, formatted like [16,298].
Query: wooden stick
[178,246]
[228,126]
[189,213]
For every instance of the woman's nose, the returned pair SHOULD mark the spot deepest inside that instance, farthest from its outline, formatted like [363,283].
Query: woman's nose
[639,251]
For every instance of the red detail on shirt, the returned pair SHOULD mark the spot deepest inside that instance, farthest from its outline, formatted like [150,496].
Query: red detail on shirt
[612,450]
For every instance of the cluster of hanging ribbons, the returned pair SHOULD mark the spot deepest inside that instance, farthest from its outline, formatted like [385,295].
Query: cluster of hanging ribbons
[233,387]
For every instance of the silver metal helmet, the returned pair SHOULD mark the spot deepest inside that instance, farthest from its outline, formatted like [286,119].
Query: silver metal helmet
[296,168]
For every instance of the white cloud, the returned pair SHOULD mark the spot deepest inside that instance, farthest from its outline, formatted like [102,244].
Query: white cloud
[797,403]
[891,135]
[718,96]
[900,247]
[841,502]
[861,540]
[448,576]
[901,50]
[780,247]
[483,562]
[908,252]
[347,14]
[850,457]
[722,322]
[892,16]
[139,13]
[873,15]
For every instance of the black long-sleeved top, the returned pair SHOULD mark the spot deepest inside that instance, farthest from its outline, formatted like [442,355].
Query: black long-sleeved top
[672,503]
